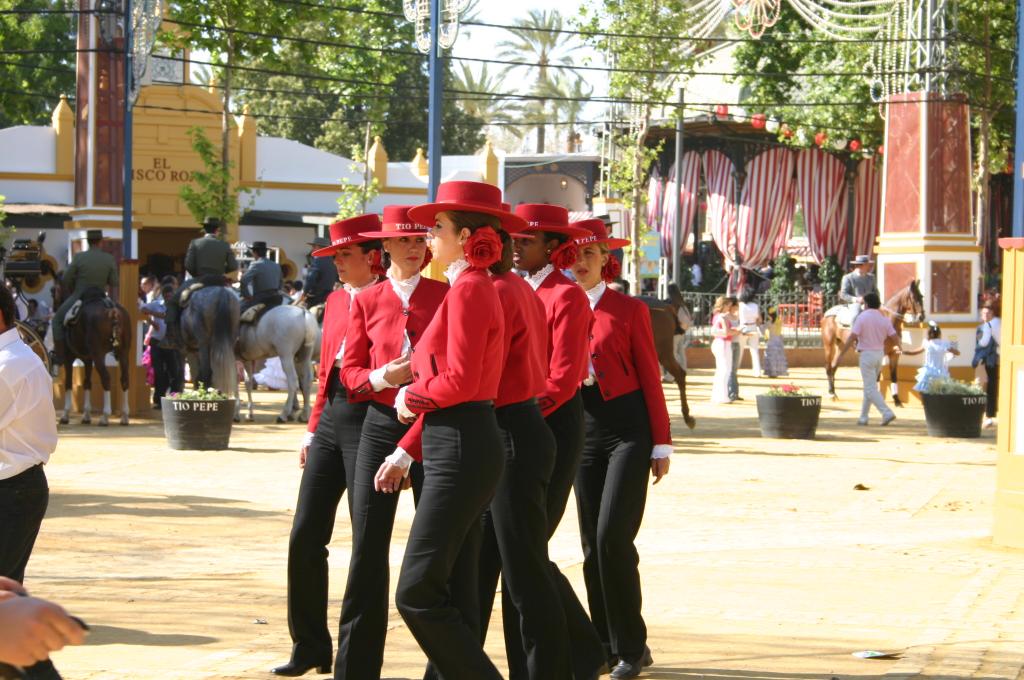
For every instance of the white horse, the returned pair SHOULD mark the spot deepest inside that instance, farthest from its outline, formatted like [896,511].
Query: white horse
[288,332]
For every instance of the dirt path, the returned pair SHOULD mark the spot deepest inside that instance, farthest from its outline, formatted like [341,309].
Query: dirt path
[760,559]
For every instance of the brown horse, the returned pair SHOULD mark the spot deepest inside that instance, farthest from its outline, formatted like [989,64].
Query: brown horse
[665,324]
[99,330]
[907,301]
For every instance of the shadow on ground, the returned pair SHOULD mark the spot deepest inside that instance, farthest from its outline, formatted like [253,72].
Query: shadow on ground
[84,505]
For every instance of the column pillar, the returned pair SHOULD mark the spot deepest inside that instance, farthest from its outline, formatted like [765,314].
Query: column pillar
[1008,529]
[927,232]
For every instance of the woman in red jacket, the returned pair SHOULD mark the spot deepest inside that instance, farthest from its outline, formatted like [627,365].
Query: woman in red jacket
[385,324]
[548,249]
[328,453]
[628,439]
[456,370]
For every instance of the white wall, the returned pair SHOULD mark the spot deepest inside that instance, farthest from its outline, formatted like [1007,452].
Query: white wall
[28,148]
[546,188]
[32,191]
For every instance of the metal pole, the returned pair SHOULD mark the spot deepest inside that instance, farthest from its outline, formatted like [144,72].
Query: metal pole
[677,228]
[435,103]
[851,206]
[1018,148]
[126,212]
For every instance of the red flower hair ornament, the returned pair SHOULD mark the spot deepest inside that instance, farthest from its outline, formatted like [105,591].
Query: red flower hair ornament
[565,255]
[376,265]
[427,259]
[483,248]
[611,270]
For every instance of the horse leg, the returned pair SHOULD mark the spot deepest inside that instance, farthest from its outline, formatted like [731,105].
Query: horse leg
[894,386]
[87,389]
[305,371]
[250,380]
[293,389]
[65,417]
[125,377]
[101,368]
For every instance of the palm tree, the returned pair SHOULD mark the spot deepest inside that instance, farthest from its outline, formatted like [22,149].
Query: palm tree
[482,84]
[568,93]
[538,39]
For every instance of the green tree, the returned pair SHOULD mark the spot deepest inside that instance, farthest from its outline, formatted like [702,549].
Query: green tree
[639,60]
[210,192]
[538,39]
[831,276]
[50,74]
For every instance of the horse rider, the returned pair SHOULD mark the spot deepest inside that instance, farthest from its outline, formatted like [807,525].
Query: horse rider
[92,268]
[261,282]
[857,284]
[321,277]
[208,259]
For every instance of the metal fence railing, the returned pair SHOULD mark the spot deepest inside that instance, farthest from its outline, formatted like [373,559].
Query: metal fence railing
[801,314]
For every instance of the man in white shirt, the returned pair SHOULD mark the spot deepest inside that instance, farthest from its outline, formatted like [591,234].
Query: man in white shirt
[28,435]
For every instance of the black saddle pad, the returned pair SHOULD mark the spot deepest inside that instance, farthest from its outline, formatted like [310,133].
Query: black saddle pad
[92,295]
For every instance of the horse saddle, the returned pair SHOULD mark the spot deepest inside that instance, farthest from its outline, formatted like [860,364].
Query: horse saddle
[89,296]
[253,314]
[197,284]
[844,315]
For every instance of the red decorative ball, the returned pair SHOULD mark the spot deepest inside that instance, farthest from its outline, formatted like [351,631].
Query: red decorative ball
[722,111]
[758,121]
[855,145]
[881,150]
[787,131]
[821,138]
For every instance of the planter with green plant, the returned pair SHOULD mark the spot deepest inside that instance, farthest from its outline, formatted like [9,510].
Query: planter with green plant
[953,408]
[198,419]
[788,412]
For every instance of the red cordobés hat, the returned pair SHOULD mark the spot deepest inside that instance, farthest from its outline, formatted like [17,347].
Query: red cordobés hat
[397,223]
[597,232]
[463,196]
[549,218]
[346,233]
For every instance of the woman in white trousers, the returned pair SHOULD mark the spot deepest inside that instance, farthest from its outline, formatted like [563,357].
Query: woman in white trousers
[724,333]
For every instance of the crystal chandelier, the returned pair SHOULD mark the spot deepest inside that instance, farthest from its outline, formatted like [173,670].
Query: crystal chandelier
[418,12]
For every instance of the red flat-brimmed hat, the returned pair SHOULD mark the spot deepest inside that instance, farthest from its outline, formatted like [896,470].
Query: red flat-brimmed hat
[348,232]
[397,223]
[597,232]
[550,218]
[466,197]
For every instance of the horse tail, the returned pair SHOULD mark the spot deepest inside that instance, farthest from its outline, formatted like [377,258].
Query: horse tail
[224,332]
[674,296]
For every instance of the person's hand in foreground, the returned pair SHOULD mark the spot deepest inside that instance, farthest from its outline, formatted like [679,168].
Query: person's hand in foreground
[30,629]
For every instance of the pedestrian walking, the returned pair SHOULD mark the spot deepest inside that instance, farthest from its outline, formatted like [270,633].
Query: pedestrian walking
[870,333]
[936,358]
[722,332]
[986,353]
[385,325]
[750,328]
[546,250]
[628,439]
[456,370]
[327,455]
[165,360]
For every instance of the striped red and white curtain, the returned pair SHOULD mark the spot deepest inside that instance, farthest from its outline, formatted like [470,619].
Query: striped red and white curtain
[821,188]
[764,218]
[687,199]
[655,197]
[867,211]
[721,210]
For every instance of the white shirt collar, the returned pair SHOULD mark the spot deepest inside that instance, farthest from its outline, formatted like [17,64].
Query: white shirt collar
[404,289]
[455,268]
[9,336]
[536,279]
[595,293]
[353,291]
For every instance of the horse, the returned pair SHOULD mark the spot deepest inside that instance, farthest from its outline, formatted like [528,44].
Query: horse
[906,301]
[98,331]
[209,326]
[665,321]
[289,332]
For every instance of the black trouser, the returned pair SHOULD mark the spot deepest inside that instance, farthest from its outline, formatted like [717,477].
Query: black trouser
[611,492]
[991,390]
[364,611]
[586,652]
[462,462]
[330,463]
[270,298]
[165,370]
[515,545]
[23,501]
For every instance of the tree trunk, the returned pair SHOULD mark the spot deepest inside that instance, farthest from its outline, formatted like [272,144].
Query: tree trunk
[982,178]
[635,231]
[366,169]
[540,137]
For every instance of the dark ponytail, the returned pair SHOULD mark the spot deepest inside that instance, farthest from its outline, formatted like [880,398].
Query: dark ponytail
[504,265]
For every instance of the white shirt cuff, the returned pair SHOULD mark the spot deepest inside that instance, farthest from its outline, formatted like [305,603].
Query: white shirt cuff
[307,438]
[661,451]
[400,406]
[378,381]
[400,459]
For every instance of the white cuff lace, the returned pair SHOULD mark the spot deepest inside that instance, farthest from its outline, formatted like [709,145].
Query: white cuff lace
[307,438]
[400,406]
[661,451]
[400,459]
[378,381]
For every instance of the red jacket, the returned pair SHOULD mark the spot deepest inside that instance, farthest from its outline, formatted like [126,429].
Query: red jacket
[622,351]
[376,328]
[332,333]
[569,321]
[526,341]
[458,358]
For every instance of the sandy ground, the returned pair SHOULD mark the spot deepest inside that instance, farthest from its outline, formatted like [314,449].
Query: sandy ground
[760,558]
